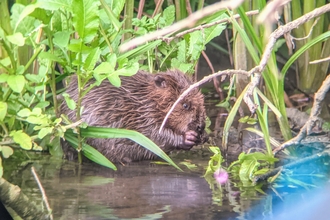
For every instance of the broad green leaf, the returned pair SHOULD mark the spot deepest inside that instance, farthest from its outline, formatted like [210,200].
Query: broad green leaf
[43,104]
[25,112]
[6,151]
[50,57]
[44,131]
[104,67]
[61,38]
[54,5]
[248,167]
[26,11]
[85,18]
[98,132]
[3,110]
[22,139]
[89,151]
[16,82]
[3,77]
[212,32]
[129,70]
[36,111]
[16,39]
[114,80]
[25,26]
[92,58]
[35,120]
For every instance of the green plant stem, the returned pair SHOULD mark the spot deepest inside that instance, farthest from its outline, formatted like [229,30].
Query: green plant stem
[11,56]
[34,56]
[53,76]
[129,10]
[80,96]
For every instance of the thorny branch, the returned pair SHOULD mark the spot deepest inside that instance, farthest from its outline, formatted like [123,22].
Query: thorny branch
[263,62]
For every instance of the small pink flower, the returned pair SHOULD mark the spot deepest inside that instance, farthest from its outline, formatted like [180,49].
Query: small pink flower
[221,176]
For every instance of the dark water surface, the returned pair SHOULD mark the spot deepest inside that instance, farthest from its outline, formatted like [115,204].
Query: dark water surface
[152,191]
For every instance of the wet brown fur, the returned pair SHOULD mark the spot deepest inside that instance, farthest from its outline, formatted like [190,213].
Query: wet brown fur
[141,104]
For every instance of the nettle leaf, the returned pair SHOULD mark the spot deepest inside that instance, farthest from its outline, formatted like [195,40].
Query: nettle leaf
[3,110]
[169,15]
[16,39]
[54,5]
[61,38]
[86,18]
[16,82]
[22,139]
[196,45]
[117,7]
[6,151]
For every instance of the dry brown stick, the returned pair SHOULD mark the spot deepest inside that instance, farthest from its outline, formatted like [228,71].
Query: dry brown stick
[201,27]
[187,22]
[43,193]
[316,109]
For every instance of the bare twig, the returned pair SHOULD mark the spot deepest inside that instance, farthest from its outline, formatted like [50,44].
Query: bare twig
[320,60]
[43,193]
[316,109]
[187,22]
[201,27]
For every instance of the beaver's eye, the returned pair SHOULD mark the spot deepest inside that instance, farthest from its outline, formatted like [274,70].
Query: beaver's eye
[186,106]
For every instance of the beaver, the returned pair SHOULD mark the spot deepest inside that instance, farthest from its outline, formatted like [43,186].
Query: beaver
[140,104]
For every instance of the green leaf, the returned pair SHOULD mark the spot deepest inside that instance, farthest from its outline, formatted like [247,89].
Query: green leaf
[3,77]
[247,170]
[44,131]
[16,82]
[104,67]
[70,102]
[25,112]
[61,38]
[16,39]
[196,45]
[129,70]
[22,139]
[3,110]
[89,151]
[114,80]
[6,151]
[26,11]
[49,56]
[92,58]
[98,132]
[85,18]
[169,15]
[54,5]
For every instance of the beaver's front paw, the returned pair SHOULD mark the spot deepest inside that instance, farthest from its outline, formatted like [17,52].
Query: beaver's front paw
[190,139]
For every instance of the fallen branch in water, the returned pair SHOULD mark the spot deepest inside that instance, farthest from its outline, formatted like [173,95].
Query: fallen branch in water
[316,110]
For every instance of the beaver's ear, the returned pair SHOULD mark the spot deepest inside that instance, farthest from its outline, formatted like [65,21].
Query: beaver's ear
[160,81]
